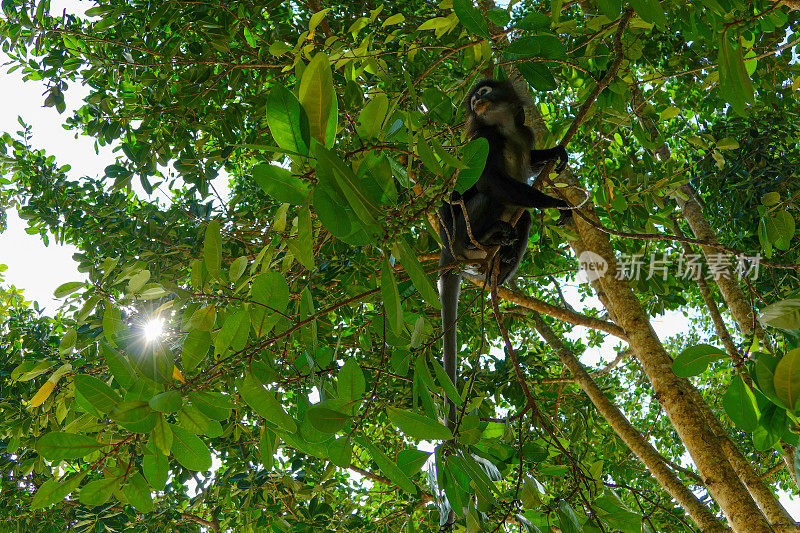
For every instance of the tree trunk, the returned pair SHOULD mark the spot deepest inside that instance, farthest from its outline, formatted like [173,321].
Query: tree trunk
[738,303]
[676,395]
[646,453]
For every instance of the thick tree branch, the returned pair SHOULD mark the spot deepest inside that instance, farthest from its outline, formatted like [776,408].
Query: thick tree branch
[551,310]
[646,453]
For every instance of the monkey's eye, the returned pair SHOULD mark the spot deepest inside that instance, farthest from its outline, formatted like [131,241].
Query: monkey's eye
[483,91]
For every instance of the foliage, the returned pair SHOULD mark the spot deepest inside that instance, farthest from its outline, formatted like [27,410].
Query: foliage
[297,384]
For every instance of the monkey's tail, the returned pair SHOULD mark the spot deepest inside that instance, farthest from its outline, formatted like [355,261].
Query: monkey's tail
[449,292]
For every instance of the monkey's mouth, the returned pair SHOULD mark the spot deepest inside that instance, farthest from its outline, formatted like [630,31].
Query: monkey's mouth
[480,106]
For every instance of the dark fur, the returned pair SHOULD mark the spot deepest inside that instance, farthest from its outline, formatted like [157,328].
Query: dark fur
[493,201]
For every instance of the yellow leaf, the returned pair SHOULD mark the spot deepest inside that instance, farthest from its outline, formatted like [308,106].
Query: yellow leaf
[43,393]
[177,374]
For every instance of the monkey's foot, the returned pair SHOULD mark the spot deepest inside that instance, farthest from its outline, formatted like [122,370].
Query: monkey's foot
[501,234]
[564,219]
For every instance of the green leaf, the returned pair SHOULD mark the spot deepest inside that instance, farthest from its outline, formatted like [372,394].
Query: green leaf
[729,143]
[391,297]
[411,460]
[734,83]
[774,421]
[426,155]
[112,322]
[316,93]
[695,359]
[54,490]
[189,450]
[538,75]
[351,188]
[769,199]
[238,266]
[212,248]
[327,420]
[764,375]
[68,288]
[610,8]
[214,405]
[287,121]
[418,426]
[42,497]
[264,403]
[651,11]
[155,466]
[498,16]
[340,452]
[335,213]
[268,446]
[119,366]
[445,156]
[397,18]
[389,468]
[193,420]
[351,384]
[233,333]
[740,405]
[483,486]
[101,396]
[447,385]
[455,483]
[135,415]
[138,493]
[784,314]
[270,295]
[195,348]
[419,278]
[370,120]
[167,402]
[203,318]
[787,379]
[785,225]
[154,361]
[281,184]
[302,246]
[470,17]
[58,446]
[567,520]
[162,435]
[474,156]
[138,281]
[99,491]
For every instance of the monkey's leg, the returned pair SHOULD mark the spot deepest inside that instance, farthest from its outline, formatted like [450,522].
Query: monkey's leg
[510,255]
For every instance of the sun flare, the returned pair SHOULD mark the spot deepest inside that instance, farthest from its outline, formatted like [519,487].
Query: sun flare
[153,329]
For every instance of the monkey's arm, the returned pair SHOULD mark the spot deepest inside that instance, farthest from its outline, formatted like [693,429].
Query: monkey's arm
[509,191]
[541,156]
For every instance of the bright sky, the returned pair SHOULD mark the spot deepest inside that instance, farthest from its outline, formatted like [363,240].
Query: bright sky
[30,263]
[39,269]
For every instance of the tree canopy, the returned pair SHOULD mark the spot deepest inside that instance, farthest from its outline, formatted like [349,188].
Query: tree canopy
[291,379]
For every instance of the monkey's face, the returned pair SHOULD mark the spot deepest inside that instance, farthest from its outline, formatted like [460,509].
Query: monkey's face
[493,103]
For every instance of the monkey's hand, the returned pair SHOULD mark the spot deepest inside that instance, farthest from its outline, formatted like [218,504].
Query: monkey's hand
[501,234]
[562,157]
